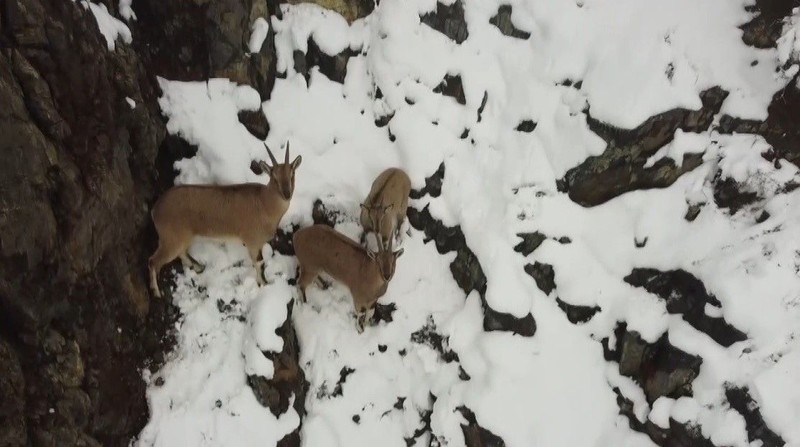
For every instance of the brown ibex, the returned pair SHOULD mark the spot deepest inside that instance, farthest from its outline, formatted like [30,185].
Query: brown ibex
[320,248]
[386,205]
[248,212]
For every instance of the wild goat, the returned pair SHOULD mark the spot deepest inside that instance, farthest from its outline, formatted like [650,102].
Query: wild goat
[386,204]
[320,248]
[248,212]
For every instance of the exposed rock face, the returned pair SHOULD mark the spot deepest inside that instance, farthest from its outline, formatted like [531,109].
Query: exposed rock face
[77,322]
[196,40]
[502,20]
[661,369]
[687,296]
[448,20]
[351,10]
[765,29]
[620,168]
[333,67]
[475,435]
[757,430]
[780,129]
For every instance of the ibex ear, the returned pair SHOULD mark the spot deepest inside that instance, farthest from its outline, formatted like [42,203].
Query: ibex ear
[265,167]
[398,253]
[372,255]
[297,162]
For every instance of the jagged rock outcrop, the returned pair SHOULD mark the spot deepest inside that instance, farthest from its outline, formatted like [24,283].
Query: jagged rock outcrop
[686,295]
[620,168]
[196,40]
[77,164]
[448,20]
[502,20]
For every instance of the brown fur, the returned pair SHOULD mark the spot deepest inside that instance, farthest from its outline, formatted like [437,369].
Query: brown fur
[249,212]
[384,209]
[320,248]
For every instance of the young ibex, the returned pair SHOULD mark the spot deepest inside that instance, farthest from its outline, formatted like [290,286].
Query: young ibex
[386,204]
[320,248]
[248,212]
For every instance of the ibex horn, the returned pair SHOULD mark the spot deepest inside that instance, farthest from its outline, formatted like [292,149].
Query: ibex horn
[271,157]
[286,161]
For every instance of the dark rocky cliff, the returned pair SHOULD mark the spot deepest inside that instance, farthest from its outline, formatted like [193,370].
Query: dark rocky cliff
[79,169]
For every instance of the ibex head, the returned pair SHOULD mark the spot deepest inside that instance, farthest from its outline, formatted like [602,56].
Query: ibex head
[376,213]
[282,173]
[385,257]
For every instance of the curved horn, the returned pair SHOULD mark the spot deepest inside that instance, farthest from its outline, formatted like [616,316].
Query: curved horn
[286,160]
[271,157]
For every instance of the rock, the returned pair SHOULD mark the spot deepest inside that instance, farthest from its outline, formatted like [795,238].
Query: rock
[196,40]
[481,107]
[757,430]
[62,436]
[661,369]
[282,242]
[333,67]
[526,126]
[530,242]
[172,148]
[474,434]
[733,195]
[779,129]
[543,274]
[686,295]
[325,215]
[288,381]
[65,368]
[75,408]
[676,435]
[255,122]
[448,20]
[351,10]
[12,398]
[383,312]
[427,335]
[764,30]
[621,167]
[452,86]
[74,158]
[433,185]
[343,374]
[502,20]
[577,314]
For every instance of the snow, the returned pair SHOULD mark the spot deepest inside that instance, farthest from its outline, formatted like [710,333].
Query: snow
[201,397]
[554,388]
[126,11]
[110,27]
[258,34]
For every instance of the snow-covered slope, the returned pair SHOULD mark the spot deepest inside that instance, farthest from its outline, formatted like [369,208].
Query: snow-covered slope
[404,381]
